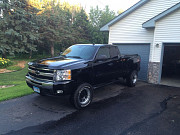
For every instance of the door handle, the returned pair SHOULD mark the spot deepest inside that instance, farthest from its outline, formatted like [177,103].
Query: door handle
[110,64]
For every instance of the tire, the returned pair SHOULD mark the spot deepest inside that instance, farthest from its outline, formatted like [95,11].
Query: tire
[131,80]
[82,96]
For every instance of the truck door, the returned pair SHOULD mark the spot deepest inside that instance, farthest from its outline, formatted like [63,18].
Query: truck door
[117,66]
[102,66]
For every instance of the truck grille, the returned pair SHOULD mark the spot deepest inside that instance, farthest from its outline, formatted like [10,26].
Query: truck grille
[41,74]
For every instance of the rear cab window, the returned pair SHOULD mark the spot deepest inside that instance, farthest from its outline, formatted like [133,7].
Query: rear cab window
[114,52]
[103,51]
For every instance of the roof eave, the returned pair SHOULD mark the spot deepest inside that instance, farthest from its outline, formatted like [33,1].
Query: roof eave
[122,15]
[104,28]
[152,22]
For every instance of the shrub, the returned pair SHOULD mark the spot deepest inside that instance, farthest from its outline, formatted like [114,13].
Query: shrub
[5,63]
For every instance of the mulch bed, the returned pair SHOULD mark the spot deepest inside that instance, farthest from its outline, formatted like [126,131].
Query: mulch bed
[6,86]
[20,64]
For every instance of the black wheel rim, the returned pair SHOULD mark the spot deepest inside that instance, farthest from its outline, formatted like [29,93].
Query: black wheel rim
[84,95]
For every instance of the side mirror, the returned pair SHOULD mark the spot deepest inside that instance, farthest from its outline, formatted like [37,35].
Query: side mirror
[59,53]
[101,58]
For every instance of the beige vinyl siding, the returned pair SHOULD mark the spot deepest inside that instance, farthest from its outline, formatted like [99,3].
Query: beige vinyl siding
[167,31]
[129,29]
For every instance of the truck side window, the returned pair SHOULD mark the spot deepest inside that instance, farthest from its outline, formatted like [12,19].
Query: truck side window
[114,52]
[103,51]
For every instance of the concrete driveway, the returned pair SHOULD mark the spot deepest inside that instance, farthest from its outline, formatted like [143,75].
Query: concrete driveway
[34,109]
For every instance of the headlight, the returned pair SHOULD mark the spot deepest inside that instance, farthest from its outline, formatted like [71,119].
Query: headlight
[30,63]
[63,75]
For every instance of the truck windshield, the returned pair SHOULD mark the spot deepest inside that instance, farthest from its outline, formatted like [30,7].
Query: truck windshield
[80,52]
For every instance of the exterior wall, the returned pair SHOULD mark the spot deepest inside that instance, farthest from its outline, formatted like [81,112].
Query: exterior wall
[129,29]
[167,31]
[153,74]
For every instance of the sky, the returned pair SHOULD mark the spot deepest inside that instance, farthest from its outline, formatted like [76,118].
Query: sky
[115,5]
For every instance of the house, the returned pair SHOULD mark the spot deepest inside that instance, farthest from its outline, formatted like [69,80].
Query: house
[150,28]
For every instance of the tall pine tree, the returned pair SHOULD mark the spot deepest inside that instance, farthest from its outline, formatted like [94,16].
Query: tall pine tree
[18,27]
[81,24]
[98,18]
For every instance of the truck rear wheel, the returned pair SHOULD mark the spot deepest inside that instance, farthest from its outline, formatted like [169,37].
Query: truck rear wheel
[83,95]
[131,80]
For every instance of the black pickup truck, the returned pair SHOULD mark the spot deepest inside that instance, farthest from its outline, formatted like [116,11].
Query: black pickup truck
[79,70]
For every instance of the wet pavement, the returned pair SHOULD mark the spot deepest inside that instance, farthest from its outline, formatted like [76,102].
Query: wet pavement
[34,109]
[143,110]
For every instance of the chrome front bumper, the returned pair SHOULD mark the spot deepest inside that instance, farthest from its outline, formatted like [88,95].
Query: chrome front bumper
[50,87]
[38,82]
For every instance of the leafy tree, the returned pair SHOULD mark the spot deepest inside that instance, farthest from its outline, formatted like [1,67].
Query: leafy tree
[62,26]
[120,11]
[81,24]
[95,16]
[99,18]
[53,27]
[18,27]
[28,25]
[72,34]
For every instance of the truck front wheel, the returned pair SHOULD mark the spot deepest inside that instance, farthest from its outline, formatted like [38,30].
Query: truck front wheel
[83,95]
[131,79]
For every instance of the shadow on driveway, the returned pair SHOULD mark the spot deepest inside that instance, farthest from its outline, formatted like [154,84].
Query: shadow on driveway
[34,109]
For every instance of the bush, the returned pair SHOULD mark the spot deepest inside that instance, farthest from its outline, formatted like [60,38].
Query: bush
[5,63]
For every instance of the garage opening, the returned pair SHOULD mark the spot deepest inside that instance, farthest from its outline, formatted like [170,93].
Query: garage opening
[171,65]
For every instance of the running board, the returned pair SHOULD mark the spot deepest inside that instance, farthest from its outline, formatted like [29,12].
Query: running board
[105,84]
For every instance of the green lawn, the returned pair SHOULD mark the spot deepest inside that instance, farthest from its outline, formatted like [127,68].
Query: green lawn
[17,79]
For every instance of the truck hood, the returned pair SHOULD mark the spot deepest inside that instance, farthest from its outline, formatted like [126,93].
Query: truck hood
[59,63]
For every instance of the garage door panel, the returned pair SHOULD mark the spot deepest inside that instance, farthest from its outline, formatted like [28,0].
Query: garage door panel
[143,51]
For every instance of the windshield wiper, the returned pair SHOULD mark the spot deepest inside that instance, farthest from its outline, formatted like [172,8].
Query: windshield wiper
[74,57]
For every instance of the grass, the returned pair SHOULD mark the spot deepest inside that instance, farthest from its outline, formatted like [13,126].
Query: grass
[13,68]
[14,78]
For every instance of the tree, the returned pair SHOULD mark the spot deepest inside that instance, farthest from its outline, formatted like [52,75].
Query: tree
[18,27]
[99,18]
[106,16]
[81,24]
[95,16]
[42,5]
[53,26]
[63,25]
[120,11]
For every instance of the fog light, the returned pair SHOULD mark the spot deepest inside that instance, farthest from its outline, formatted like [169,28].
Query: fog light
[59,91]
